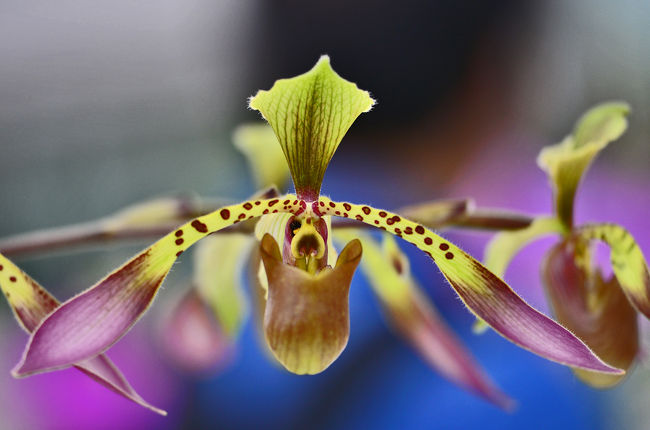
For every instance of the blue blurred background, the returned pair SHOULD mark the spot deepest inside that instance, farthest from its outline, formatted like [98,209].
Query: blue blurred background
[105,105]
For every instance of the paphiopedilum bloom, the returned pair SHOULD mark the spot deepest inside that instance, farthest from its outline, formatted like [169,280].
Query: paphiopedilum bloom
[601,312]
[306,318]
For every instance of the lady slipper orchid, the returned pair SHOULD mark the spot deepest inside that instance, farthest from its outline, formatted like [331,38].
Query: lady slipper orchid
[600,312]
[306,316]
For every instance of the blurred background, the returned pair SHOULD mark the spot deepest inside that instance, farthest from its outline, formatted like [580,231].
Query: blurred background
[105,105]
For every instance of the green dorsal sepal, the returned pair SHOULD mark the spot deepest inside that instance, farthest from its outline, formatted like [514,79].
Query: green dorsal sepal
[310,114]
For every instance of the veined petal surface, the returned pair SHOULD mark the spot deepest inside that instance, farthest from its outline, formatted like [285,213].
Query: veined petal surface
[310,114]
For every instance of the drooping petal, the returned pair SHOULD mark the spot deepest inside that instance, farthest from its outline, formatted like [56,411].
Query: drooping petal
[306,320]
[192,338]
[566,162]
[504,246]
[483,292]
[628,262]
[31,303]
[310,114]
[91,322]
[414,317]
[258,143]
[218,266]
[594,310]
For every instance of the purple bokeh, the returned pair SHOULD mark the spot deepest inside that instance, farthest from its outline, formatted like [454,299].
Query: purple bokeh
[68,399]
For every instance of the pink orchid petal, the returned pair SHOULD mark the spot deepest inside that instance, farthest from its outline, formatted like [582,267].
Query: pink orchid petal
[31,303]
[443,351]
[192,338]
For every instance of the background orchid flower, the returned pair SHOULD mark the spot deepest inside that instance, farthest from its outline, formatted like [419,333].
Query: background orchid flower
[602,312]
[306,316]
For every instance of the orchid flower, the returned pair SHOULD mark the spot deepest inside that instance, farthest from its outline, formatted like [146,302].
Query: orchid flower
[306,318]
[601,312]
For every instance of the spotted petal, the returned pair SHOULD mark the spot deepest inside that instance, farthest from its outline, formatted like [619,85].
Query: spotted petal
[566,162]
[414,317]
[628,262]
[310,114]
[31,303]
[91,322]
[485,294]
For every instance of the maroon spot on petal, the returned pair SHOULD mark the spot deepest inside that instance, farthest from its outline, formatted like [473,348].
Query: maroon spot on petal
[179,241]
[347,206]
[390,221]
[295,202]
[428,240]
[332,205]
[338,213]
[257,203]
[419,229]
[1,267]
[225,213]
[178,254]
[275,211]
[286,202]
[398,230]
[248,206]
[179,233]
[366,210]
[382,214]
[321,203]
[200,227]
[345,214]
[359,218]
[396,218]
[241,216]
[449,256]
[12,278]
[444,246]
[265,211]
[408,230]
[376,222]
[272,202]
[383,228]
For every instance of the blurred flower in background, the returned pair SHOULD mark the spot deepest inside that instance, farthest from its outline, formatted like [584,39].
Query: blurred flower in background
[101,105]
